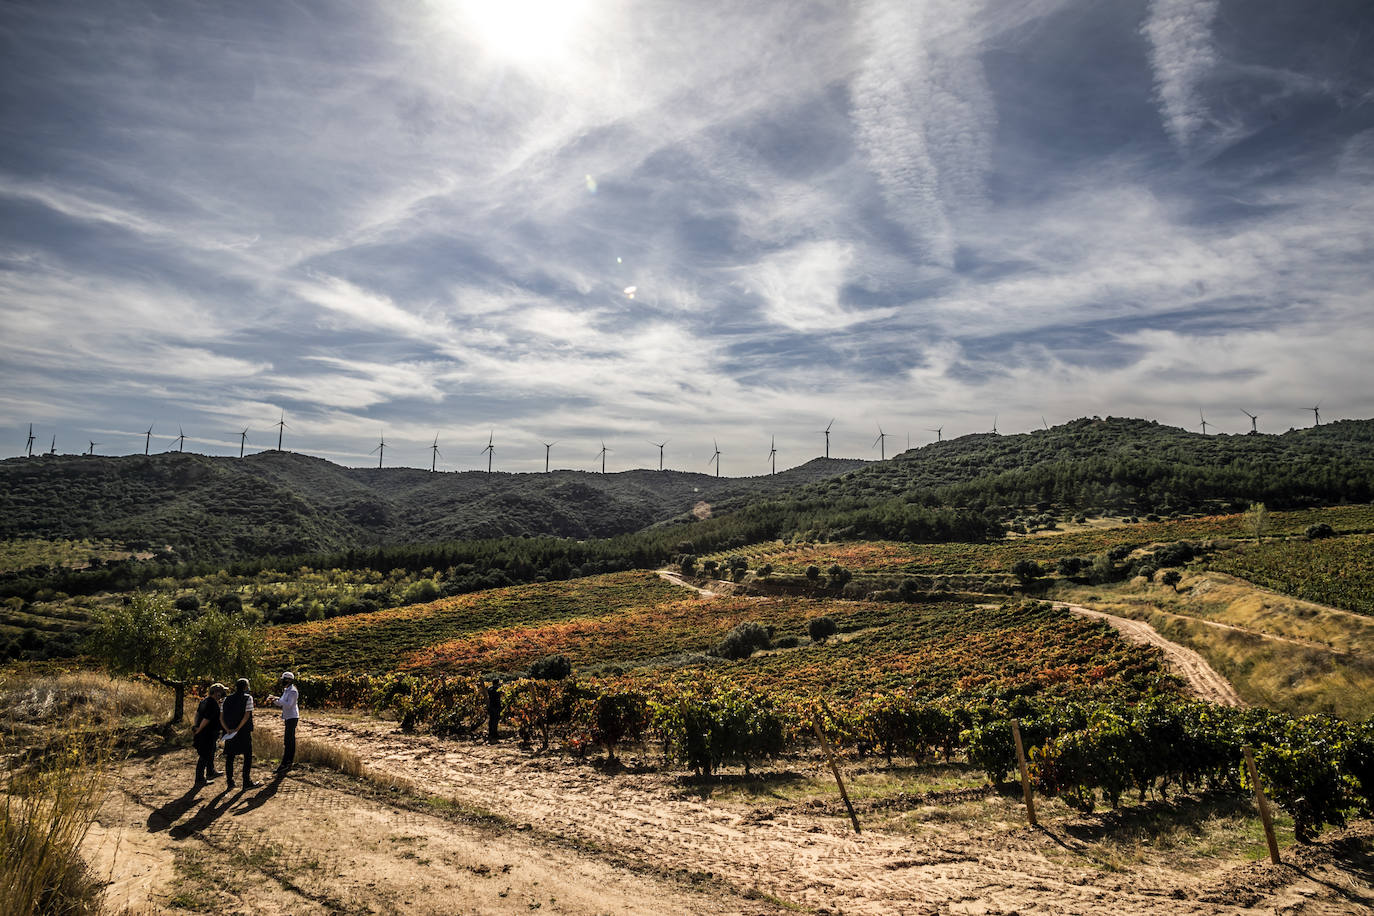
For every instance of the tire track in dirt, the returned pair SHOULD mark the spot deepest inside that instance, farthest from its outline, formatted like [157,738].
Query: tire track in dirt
[1193,668]
[649,821]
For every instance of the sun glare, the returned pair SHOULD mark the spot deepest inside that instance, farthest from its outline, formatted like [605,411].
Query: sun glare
[527,32]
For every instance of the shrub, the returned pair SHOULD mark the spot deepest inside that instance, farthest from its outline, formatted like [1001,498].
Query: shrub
[821,628]
[688,565]
[1027,571]
[1321,530]
[421,591]
[787,642]
[551,668]
[187,603]
[1171,578]
[839,576]
[615,715]
[813,573]
[743,640]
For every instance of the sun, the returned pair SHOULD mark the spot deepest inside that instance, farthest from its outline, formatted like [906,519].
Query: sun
[526,32]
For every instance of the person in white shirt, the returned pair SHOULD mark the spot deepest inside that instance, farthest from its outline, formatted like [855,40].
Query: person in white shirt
[290,717]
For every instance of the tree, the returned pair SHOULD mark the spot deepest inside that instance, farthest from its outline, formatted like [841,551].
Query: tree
[147,637]
[1027,571]
[821,628]
[1257,519]
[1171,578]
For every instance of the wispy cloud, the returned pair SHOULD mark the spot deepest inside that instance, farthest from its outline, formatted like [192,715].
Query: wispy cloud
[1183,55]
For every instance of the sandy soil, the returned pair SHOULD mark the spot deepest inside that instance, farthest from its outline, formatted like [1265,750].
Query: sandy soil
[317,842]
[1201,677]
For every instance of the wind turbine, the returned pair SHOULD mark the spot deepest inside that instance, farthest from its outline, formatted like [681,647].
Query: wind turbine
[827,436]
[1316,414]
[881,443]
[994,424]
[434,455]
[380,449]
[148,439]
[29,446]
[243,440]
[93,445]
[1043,423]
[602,455]
[547,447]
[53,451]
[1203,419]
[280,425]
[490,449]
[939,432]
[180,440]
[716,457]
[773,453]
[660,452]
[1253,418]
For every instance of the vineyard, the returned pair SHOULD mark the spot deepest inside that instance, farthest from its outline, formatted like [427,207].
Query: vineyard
[1336,571]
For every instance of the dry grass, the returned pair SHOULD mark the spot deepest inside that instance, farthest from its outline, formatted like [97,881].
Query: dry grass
[1277,651]
[268,744]
[88,696]
[47,809]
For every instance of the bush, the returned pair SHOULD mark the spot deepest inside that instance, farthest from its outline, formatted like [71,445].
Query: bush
[688,565]
[1171,578]
[421,591]
[787,642]
[1321,530]
[821,628]
[187,603]
[839,576]
[551,668]
[744,640]
[813,573]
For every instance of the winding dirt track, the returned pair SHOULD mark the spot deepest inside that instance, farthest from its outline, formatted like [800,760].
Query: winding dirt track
[1193,668]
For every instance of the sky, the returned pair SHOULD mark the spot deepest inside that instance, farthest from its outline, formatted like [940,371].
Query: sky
[711,223]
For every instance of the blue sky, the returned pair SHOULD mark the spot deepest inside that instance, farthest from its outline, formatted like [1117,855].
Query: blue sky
[591,220]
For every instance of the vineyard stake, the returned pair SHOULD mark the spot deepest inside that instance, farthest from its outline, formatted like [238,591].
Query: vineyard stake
[1263,804]
[835,768]
[1026,791]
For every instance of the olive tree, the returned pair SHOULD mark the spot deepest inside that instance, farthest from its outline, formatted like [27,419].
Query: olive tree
[147,636]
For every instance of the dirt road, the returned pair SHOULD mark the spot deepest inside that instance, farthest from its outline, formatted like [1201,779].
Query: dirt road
[1202,678]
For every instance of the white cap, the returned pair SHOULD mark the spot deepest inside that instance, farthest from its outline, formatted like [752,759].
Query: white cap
[287,676]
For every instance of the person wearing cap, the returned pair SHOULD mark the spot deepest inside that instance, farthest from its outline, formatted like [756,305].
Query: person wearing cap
[237,718]
[289,701]
[204,732]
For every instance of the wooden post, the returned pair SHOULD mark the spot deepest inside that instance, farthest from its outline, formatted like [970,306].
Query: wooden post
[835,768]
[1026,791]
[1263,804]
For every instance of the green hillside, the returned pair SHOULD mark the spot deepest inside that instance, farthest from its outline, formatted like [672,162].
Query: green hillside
[281,503]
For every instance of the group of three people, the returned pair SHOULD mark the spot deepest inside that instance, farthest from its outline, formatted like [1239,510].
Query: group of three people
[232,716]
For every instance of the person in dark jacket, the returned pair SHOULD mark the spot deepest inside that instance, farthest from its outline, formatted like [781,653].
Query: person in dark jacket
[205,731]
[237,720]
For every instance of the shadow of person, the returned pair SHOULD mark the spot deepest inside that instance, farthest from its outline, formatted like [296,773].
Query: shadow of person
[163,817]
[264,794]
[207,815]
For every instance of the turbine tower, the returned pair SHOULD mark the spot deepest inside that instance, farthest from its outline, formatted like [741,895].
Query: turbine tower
[281,425]
[180,440]
[826,431]
[715,457]
[994,424]
[939,432]
[602,455]
[243,440]
[1043,423]
[660,452]
[1203,419]
[53,451]
[490,449]
[434,455]
[548,446]
[1316,414]
[1253,418]
[380,450]
[148,439]
[880,443]
[29,446]
[773,453]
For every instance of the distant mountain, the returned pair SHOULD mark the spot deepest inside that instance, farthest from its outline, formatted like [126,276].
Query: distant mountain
[286,503]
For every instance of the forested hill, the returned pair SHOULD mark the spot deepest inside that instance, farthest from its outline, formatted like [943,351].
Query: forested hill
[282,503]
[1121,465]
